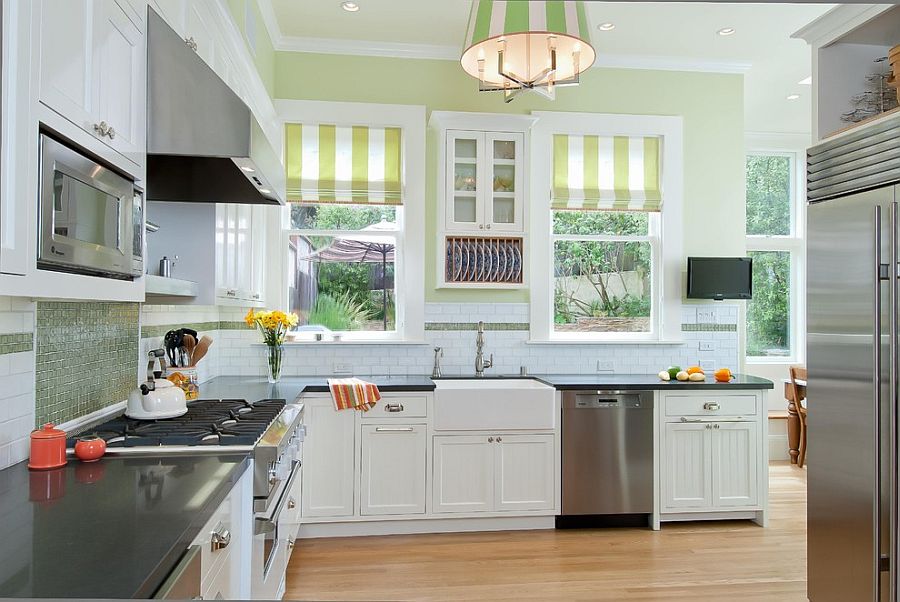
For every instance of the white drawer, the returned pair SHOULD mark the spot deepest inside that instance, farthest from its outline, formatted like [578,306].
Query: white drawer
[212,559]
[711,405]
[398,407]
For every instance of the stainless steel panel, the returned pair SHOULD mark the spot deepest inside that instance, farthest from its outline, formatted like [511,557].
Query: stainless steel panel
[607,452]
[203,143]
[841,284]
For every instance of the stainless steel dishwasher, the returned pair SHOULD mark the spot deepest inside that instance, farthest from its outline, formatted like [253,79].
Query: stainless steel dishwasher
[607,452]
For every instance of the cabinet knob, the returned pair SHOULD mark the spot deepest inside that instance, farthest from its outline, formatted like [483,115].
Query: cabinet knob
[191,43]
[715,426]
[499,439]
[290,544]
[488,226]
[712,406]
[220,539]
[481,226]
[490,439]
[291,504]
[708,426]
[111,133]
[102,128]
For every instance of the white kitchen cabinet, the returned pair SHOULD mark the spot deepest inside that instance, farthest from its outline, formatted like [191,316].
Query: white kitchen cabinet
[328,460]
[712,455]
[484,181]
[524,472]
[393,469]
[688,470]
[93,71]
[735,464]
[463,479]
[494,473]
[240,252]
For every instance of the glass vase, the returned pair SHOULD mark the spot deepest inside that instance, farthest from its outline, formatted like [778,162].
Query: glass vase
[274,356]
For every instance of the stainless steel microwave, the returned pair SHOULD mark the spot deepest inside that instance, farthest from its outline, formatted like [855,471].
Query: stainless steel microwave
[91,217]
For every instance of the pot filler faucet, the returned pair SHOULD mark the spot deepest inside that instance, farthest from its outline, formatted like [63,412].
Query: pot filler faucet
[480,364]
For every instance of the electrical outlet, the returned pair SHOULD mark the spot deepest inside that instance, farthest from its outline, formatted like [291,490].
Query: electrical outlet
[605,366]
[342,368]
[707,315]
[707,346]
[707,365]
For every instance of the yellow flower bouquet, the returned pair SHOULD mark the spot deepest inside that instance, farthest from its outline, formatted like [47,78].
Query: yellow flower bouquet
[272,325]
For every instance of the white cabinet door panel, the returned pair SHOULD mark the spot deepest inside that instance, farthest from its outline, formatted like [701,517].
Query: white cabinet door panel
[393,470]
[463,479]
[524,472]
[687,472]
[67,82]
[735,460]
[328,454]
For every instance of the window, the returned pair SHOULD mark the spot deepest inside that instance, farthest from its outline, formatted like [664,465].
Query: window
[774,241]
[353,232]
[611,225]
[603,268]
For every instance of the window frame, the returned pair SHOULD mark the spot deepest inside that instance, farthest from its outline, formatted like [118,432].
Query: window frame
[793,243]
[665,231]
[409,267]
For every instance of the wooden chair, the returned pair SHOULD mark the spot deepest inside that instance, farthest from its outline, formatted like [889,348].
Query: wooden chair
[799,373]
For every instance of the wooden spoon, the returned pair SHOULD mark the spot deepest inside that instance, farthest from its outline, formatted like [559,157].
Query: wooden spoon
[201,349]
[189,344]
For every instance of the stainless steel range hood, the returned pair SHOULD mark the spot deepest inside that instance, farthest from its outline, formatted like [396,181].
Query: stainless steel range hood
[203,143]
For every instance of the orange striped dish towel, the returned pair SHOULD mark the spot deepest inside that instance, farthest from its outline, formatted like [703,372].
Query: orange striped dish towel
[353,393]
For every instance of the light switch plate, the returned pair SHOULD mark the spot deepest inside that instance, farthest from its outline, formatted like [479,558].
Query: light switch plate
[707,346]
[605,366]
[707,315]
[707,365]
[342,369]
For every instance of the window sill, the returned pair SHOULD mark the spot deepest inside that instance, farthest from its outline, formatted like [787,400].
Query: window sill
[350,342]
[604,342]
[773,361]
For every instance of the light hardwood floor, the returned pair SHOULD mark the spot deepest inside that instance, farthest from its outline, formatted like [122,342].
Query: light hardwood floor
[730,561]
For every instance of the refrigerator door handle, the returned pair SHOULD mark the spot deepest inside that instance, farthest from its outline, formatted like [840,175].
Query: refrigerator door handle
[894,295]
[882,274]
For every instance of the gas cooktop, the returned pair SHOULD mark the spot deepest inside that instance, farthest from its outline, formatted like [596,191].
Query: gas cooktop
[207,422]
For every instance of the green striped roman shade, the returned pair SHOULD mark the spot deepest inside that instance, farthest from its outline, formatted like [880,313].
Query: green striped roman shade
[343,164]
[617,173]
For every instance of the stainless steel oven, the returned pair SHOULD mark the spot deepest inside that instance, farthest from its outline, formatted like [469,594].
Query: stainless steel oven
[91,217]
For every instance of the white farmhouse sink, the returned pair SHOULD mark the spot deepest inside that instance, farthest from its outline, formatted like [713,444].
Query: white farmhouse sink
[493,404]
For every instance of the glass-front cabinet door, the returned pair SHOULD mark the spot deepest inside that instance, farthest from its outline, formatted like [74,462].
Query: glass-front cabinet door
[465,181]
[503,198]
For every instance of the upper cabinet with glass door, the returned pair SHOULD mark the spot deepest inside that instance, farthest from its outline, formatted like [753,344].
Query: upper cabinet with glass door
[485,181]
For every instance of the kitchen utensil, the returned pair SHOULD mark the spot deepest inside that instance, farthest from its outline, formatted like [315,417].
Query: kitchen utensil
[172,341]
[166,265]
[90,449]
[190,343]
[201,349]
[48,448]
[164,400]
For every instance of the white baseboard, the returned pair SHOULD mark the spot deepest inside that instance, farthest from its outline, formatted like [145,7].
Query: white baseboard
[431,525]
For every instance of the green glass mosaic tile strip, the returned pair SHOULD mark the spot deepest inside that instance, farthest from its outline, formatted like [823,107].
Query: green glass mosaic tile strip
[86,357]
[474,326]
[709,327]
[201,327]
[16,342]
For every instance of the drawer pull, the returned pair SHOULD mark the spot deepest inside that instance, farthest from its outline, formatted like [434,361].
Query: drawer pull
[220,539]
[712,406]
[394,429]
[291,504]
[685,419]
[393,407]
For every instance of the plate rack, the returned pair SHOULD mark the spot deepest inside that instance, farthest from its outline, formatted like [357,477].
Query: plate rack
[482,260]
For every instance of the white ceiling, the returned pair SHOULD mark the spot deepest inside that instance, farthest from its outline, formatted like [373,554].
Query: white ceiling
[669,35]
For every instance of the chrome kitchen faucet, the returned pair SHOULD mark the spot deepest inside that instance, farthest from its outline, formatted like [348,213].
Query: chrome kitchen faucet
[480,364]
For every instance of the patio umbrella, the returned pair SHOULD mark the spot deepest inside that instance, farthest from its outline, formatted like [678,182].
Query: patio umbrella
[363,248]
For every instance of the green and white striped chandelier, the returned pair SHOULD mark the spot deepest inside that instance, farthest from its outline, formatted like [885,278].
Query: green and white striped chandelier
[520,45]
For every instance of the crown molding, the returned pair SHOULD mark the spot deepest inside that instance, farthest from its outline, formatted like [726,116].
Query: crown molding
[368,48]
[670,63]
[838,21]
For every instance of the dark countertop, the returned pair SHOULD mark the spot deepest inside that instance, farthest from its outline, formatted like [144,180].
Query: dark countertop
[647,381]
[290,387]
[115,529]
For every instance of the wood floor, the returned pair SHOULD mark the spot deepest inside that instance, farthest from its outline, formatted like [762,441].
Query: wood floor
[731,561]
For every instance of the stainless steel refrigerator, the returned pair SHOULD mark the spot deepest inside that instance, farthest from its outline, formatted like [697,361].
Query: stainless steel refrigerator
[853,317]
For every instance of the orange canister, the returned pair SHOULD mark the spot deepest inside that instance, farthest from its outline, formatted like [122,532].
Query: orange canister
[48,448]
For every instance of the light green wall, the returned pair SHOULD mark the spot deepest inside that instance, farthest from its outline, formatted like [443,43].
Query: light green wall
[264,58]
[711,105]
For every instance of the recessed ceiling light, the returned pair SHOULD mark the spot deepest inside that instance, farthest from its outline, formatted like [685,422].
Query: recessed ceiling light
[726,31]
[807,81]
[350,7]
[606,26]
[793,96]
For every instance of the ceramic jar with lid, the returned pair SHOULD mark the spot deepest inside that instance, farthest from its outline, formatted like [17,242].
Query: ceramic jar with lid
[48,448]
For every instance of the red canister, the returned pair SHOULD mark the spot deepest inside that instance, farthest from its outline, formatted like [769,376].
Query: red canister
[90,449]
[48,448]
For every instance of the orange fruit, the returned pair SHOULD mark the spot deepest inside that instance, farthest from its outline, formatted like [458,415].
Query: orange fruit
[723,375]
[695,370]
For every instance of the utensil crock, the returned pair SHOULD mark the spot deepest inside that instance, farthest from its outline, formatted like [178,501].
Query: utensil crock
[90,449]
[48,448]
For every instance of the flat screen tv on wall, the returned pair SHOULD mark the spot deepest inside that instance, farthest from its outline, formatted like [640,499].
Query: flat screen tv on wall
[719,278]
